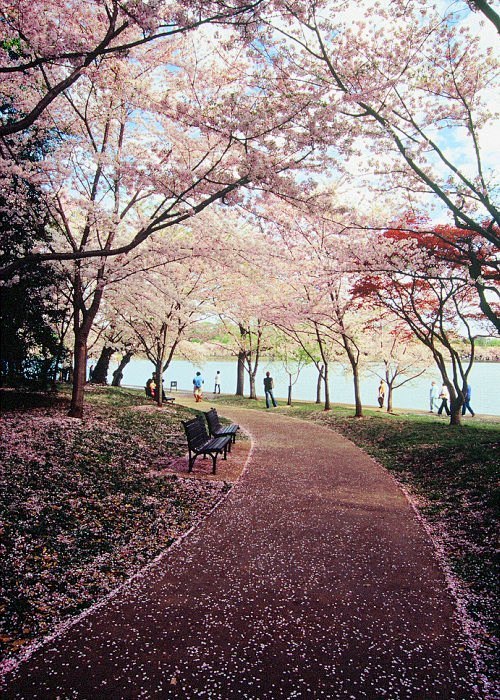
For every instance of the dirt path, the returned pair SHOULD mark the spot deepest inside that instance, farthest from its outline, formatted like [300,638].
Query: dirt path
[313,579]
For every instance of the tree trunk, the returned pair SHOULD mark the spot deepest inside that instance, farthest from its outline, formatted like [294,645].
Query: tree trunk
[240,376]
[79,374]
[389,398]
[253,393]
[159,385]
[358,413]
[118,373]
[456,411]
[289,400]
[318,384]
[100,375]
[353,356]
[327,388]
[82,323]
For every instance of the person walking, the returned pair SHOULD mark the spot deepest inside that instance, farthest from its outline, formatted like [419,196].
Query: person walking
[466,404]
[268,389]
[433,397]
[444,395]
[381,393]
[197,387]
[217,383]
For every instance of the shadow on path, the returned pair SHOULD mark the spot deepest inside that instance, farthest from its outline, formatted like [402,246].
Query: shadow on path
[313,579]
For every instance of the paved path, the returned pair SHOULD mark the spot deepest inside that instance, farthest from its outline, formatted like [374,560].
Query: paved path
[313,580]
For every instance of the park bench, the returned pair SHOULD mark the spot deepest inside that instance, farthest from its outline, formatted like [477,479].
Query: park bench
[165,399]
[216,429]
[200,442]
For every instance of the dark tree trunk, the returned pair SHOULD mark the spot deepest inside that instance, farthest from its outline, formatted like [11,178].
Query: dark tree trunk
[289,399]
[100,375]
[327,388]
[456,411]
[240,376]
[358,413]
[82,323]
[353,356]
[118,373]
[318,384]
[159,386]
[79,375]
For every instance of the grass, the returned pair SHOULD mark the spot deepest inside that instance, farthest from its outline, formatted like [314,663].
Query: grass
[85,504]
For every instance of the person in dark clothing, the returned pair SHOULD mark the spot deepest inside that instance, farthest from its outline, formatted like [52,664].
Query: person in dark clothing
[268,389]
[466,405]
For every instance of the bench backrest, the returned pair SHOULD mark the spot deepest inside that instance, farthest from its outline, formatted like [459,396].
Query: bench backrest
[213,420]
[196,432]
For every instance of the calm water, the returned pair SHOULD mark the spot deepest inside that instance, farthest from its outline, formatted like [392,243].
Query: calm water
[484,379]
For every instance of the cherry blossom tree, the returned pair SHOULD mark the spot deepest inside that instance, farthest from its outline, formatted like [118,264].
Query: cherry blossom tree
[127,355]
[249,340]
[433,299]
[316,250]
[48,45]
[241,299]
[292,357]
[137,161]
[308,335]
[392,344]
[161,308]
[184,141]
[406,83]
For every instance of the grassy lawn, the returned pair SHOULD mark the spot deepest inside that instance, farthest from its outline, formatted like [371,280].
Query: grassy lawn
[85,504]
[452,474]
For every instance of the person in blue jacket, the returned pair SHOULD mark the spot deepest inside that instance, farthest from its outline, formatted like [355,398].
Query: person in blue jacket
[197,387]
[466,404]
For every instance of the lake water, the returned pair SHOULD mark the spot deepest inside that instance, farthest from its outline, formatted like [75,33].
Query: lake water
[484,379]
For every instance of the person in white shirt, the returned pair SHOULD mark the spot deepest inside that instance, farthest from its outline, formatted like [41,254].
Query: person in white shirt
[444,395]
[217,383]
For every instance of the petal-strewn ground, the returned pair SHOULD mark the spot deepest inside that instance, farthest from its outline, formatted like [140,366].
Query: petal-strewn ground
[312,579]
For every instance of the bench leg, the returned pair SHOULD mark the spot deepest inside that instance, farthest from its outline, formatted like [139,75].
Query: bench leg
[191,461]
[214,462]
[225,450]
